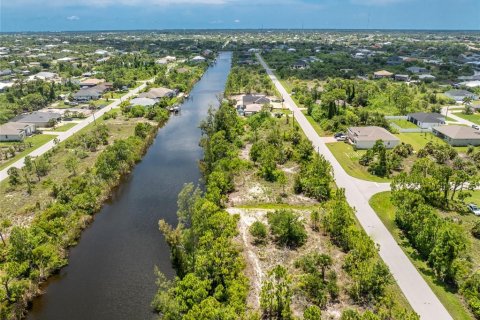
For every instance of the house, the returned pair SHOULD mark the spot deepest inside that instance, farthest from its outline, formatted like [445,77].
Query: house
[144,102]
[15,131]
[401,77]
[382,74]
[87,94]
[300,64]
[366,137]
[44,75]
[426,77]
[5,72]
[4,85]
[426,120]
[417,70]
[291,50]
[254,99]
[459,95]
[394,61]
[251,109]
[158,93]
[38,118]
[458,136]
[198,59]
[91,82]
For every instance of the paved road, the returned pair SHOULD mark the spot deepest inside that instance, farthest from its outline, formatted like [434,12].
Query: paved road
[358,192]
[67,134]
[454,117]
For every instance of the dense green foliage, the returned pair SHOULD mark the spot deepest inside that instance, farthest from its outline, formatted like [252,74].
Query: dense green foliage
[287,227]
[32,253]
[210,280]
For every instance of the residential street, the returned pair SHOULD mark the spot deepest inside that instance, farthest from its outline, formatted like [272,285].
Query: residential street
[452,115]
[67,134]
[358,192]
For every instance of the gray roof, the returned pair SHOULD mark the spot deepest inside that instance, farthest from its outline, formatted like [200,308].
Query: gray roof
[13,128]
[427,117]
[37,117]
[460,93]
[146,102]
[88,92]
[254,99]
[156,93]
[459,132]
[372,133]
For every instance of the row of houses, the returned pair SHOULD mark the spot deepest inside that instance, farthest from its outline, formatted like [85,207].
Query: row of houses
[454,135]
[26,124]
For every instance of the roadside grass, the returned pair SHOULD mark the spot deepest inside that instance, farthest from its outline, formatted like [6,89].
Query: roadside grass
[404,124]
[475,118]
[348,159]
[115,94]
[65,127]
[21,207]
[37,141]
[452,301]
[316,125]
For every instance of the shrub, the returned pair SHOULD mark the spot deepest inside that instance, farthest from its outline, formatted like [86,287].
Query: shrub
[259,232]
[287,227]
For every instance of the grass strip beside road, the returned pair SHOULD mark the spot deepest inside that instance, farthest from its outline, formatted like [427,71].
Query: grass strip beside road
[386,212]
[37,141]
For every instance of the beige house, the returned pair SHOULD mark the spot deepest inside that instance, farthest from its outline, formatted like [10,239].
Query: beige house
[15,131]
[382,74]
[458,136]
[158,93]
[366,137]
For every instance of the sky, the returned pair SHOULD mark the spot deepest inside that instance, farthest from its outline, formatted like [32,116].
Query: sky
[76,15]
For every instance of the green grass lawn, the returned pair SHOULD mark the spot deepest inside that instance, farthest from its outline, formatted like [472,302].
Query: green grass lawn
[418,140]
[452,301]
[65,127]
[348,158]
[475,118]
[37,141]
[404,124]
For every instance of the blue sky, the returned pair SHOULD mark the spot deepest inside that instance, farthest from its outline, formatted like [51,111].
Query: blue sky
[71,15]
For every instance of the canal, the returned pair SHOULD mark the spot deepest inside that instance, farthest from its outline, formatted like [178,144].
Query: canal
[110,272]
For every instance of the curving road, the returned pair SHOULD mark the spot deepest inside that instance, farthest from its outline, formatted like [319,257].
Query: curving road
[67,134]
[358,192]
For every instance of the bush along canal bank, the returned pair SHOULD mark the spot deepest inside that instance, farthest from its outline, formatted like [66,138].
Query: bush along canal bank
[31,253]
[110,274]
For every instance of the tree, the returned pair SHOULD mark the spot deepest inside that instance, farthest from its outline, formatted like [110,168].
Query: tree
[315,219]
[71,164]
[13,176]
[259,232]
[288,227]
[276,295]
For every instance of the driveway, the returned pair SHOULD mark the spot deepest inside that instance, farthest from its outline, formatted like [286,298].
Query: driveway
[454,117]
[67,134]
[358,192]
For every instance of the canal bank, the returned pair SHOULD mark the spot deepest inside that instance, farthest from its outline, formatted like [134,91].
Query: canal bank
[110,272]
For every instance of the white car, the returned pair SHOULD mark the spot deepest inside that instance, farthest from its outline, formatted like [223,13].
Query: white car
[474,209]
[341,138]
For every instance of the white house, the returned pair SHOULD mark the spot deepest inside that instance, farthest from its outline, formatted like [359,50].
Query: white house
[16,131]
[366,137]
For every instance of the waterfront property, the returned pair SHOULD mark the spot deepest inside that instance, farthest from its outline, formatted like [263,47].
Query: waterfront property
[39,119]
[366,137]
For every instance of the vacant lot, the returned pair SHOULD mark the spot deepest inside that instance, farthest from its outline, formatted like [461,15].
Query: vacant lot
[404,124]
[475,118]
[348,158]
[453,302]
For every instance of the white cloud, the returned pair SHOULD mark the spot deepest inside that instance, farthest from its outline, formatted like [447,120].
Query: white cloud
[236,20]
[72,18]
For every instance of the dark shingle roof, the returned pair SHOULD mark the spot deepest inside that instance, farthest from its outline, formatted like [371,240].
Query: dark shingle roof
[427,117]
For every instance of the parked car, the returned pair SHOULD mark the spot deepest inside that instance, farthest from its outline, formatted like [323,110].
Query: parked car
[474,209]
[474,126]
[338,134]
[341,138]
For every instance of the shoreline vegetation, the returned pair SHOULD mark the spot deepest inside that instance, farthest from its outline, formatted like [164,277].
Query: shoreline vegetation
[31,254]
[211,276]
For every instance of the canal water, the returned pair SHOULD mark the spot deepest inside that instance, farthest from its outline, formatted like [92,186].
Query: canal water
[110,272]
